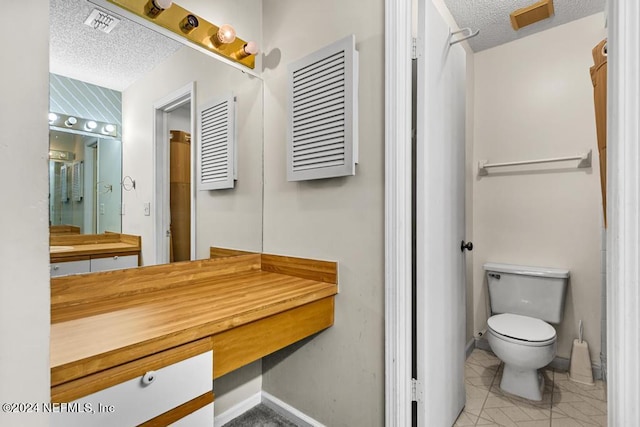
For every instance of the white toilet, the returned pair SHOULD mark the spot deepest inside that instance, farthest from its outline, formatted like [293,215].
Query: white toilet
[523,299]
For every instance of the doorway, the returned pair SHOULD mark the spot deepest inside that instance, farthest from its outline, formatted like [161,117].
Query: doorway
[174,114]
[622,239]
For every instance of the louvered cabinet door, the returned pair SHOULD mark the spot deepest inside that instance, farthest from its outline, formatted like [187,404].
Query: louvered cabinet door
[322,139]
[216,148]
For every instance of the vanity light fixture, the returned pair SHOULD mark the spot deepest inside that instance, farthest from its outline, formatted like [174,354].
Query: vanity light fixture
[226,34]
[250,48]
[154,8]
[171,17]
[81,125]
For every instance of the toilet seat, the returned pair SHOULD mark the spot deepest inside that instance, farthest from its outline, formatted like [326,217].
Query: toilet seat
[522,330]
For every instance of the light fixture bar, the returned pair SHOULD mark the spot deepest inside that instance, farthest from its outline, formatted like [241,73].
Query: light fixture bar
[65,121]
[174,19]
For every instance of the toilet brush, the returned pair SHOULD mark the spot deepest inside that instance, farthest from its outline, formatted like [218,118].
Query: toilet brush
[580,365]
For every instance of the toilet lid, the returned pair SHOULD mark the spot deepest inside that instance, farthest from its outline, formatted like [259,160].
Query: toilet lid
[521,327]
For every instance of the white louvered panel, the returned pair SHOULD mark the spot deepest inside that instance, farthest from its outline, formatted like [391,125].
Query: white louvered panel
[217,146]
[77,181]
[322,133]
[64,181]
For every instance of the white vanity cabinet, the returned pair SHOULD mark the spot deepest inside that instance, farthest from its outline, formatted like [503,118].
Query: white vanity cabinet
[70,267]
[88,253]
[113,262]
[93,264]
[203,417]
[148,398]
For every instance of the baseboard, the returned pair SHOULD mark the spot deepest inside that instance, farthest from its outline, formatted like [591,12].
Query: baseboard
[288,411]
[237,410]
[482,344]
[558,363]
[469,348]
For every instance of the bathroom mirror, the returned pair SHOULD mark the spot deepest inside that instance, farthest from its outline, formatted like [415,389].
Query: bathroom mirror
[144,67]
[85,172]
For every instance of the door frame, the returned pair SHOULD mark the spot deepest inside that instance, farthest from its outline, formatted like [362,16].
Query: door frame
[161,220]
[398,276]
[623,212]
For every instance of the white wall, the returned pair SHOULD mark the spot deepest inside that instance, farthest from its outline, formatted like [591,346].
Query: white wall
[227,218]
[336,377]
[534,99]
[24,248]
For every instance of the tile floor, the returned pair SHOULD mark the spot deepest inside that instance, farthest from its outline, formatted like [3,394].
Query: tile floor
[564,403]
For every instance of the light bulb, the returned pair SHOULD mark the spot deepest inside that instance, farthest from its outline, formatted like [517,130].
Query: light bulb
[189,23]
[71,121]
[108,128]
[90,125]
[250,48]
[53,117]
[154,8]
[225,35]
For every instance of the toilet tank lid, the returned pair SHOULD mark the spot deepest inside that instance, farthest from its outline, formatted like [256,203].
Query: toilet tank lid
[527,270]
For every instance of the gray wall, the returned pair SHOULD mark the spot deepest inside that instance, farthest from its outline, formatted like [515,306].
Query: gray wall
[336,377]
[24,251]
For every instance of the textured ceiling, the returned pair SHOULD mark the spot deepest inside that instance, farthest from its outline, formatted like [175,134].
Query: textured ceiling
[118,59]
[113,60]
[491,17]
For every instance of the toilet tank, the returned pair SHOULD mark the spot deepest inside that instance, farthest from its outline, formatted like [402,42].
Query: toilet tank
[529,291]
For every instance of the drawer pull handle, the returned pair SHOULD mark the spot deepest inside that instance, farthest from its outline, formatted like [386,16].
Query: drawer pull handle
[148,377]
[56,267]
[115,257]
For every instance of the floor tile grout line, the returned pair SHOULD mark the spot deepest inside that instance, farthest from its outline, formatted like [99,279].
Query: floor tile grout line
[553,386]
[488,393]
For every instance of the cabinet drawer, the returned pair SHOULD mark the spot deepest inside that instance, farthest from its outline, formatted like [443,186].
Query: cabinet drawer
[70,267]
[114,263]
[133,402]
[200,418]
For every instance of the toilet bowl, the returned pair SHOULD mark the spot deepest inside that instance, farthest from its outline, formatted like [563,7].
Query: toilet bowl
[523,299]
[525,344]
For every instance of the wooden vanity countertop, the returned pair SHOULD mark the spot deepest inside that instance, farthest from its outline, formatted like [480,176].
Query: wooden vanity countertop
[106,319]
[72,247]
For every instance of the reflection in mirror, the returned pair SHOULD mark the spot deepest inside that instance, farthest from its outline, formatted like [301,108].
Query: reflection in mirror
[129,70]
[84,182]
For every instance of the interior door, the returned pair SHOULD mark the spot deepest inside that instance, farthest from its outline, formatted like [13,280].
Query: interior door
[440,222]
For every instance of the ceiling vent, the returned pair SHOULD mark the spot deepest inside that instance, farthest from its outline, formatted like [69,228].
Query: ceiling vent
[102,21]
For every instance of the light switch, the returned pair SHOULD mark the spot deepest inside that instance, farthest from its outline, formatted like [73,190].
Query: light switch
[147,209]
[101,208]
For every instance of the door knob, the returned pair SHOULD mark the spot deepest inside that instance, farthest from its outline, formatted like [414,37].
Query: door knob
[468,246]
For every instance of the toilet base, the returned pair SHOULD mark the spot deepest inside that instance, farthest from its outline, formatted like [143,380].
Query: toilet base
[527,383]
